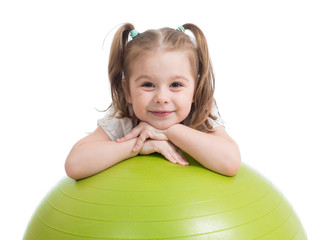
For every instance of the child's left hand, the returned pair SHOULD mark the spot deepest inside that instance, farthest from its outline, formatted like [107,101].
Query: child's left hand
[144,131]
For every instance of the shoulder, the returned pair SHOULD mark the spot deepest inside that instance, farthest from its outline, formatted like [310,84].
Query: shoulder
[115,127]
[218,121]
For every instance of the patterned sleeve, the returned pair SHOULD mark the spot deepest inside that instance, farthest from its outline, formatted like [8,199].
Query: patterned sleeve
[219,121]
[115,128]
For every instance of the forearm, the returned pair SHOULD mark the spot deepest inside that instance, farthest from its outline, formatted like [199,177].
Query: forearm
[89,158]
[214,152]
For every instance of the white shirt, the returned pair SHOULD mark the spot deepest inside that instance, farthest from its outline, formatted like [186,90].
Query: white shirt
[117,128]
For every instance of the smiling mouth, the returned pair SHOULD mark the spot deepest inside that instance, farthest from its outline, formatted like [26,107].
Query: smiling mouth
[161,114]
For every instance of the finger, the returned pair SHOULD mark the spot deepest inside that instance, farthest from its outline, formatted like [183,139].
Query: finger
[132,134]
[159,135]
[177,158]
[141,140]
[184,162]
[152,132]
[184,158]
[138,145]
[169,156]
[147,148]
[181,159]
[174,155]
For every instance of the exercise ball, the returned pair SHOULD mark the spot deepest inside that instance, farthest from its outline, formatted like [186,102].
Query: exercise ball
[147,197]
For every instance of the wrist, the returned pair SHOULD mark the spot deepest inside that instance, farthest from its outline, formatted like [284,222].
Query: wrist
[172,129]
[130,144]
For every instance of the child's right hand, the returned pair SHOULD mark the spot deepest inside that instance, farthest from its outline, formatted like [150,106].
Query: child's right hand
[167,149]
[143,132]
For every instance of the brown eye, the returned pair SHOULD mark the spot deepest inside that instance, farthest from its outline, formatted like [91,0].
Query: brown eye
[176,85]
[147,85]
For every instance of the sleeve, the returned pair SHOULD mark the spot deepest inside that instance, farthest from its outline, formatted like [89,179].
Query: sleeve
[115,128]
[219,121]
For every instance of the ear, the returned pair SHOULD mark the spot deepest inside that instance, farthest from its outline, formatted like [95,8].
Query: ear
[126,91]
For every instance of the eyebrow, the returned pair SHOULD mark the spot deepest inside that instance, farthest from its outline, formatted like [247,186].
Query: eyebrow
[142,76]
[181,77]
[174,77]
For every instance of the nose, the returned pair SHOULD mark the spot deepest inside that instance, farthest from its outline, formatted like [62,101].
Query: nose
[161,96]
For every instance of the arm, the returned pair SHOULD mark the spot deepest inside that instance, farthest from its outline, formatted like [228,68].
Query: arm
[216,151]
[95,153]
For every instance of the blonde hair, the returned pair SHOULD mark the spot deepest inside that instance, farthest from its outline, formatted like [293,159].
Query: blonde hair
[124,52]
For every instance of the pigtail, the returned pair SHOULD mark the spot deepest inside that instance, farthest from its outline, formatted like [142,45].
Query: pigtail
[116,69]
[205,86]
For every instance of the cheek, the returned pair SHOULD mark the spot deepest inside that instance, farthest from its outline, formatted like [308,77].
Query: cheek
[189,96]
[185,101]
[140,101]
[138,108]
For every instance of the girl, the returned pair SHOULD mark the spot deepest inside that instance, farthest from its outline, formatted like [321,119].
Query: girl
[162,87]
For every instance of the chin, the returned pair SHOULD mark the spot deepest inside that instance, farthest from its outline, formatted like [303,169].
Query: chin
[162,126]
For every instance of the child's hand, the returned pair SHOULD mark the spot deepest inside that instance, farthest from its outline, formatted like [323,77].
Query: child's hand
[167,149]
[144,131]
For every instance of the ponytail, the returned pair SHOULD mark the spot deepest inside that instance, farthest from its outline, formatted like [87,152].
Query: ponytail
[116,68]
[205,85]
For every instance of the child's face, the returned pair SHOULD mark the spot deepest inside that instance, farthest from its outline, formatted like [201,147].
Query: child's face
[161,88]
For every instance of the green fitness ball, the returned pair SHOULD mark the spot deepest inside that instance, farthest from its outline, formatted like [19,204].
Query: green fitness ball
[147,197]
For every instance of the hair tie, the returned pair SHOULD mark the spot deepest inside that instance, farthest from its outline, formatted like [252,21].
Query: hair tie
[181,29]
[134,33]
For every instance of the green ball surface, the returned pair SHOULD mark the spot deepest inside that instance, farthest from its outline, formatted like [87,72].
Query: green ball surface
[147,197]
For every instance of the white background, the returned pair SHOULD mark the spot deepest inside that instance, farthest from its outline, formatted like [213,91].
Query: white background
[275,71]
